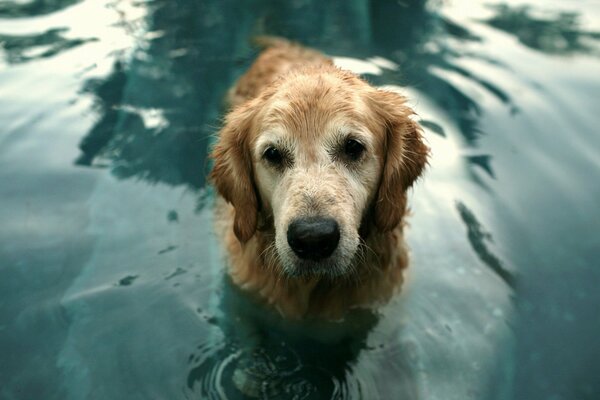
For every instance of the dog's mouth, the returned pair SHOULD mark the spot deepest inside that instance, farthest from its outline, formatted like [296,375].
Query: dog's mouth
[309,269]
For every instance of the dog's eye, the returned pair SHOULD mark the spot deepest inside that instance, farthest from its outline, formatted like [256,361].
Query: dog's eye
[353,149]
[273,156]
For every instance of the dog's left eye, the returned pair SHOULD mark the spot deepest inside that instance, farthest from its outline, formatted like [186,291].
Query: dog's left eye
[273,156]
[353,149]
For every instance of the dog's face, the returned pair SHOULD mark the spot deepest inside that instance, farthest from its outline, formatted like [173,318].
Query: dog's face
[317,167]
[320,156]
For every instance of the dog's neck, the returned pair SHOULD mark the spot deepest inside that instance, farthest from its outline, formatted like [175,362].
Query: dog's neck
[379,274]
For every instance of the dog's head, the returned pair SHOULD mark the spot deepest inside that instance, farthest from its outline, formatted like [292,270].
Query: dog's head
[321,155]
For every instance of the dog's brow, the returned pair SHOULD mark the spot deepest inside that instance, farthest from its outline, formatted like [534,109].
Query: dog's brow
[271,138]
[344,132]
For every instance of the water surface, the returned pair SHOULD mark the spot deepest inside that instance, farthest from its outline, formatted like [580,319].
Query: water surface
[111,281]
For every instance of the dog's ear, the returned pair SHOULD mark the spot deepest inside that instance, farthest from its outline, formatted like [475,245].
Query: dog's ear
[232,173]
[405,156]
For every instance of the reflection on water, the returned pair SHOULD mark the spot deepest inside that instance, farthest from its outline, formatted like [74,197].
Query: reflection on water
[263,356]
[186,73]
[478,238]
[21,9]
[419,41]
[558,34]
[180,66]
[112,283]
[143,129]
[18,49]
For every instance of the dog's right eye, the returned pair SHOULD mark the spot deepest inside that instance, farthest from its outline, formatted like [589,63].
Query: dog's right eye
[273,156]
[353,149]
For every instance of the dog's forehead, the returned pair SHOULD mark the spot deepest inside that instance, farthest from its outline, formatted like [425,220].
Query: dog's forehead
[309,109]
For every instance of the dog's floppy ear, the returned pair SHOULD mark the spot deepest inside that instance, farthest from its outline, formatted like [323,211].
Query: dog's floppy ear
[232,173]
[405,156]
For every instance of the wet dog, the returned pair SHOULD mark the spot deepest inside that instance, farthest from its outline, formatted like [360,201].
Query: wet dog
[312,166]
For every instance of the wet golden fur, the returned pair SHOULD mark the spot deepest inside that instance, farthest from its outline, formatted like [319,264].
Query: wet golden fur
[295,97]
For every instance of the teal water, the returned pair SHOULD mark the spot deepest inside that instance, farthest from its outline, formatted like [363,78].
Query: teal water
[112,284]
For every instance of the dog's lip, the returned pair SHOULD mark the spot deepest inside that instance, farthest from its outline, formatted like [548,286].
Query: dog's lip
[314,264]
[324,266]
[313,270]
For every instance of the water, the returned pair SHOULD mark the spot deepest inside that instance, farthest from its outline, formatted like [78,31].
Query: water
[111,282]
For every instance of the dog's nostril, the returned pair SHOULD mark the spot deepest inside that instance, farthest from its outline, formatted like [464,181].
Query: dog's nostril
[313,238]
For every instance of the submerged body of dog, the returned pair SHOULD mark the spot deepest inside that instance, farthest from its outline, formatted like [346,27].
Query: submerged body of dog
[313,165]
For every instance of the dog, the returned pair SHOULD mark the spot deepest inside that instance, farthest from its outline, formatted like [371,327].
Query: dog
[312,167]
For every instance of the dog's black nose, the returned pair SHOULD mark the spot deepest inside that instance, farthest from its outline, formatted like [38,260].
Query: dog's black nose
[313,238]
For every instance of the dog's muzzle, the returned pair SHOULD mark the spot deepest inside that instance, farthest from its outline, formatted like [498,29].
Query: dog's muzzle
[313,238]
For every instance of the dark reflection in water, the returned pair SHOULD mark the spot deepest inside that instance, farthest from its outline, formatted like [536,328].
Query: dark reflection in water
[158,111]
[484,162]
[399,31]
[147,136]
[479,239]
[557,34]
[108,96]
[480,162]
[402,34]
[185,64]
[264,356]
[17,9]
[23,48]
[433,127]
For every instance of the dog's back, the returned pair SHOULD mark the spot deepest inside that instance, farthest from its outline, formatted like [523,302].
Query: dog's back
[278,57]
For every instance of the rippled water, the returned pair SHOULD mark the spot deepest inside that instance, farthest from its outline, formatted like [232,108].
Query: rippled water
[111,282]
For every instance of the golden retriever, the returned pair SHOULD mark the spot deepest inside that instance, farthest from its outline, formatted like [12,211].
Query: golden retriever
[312,166]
